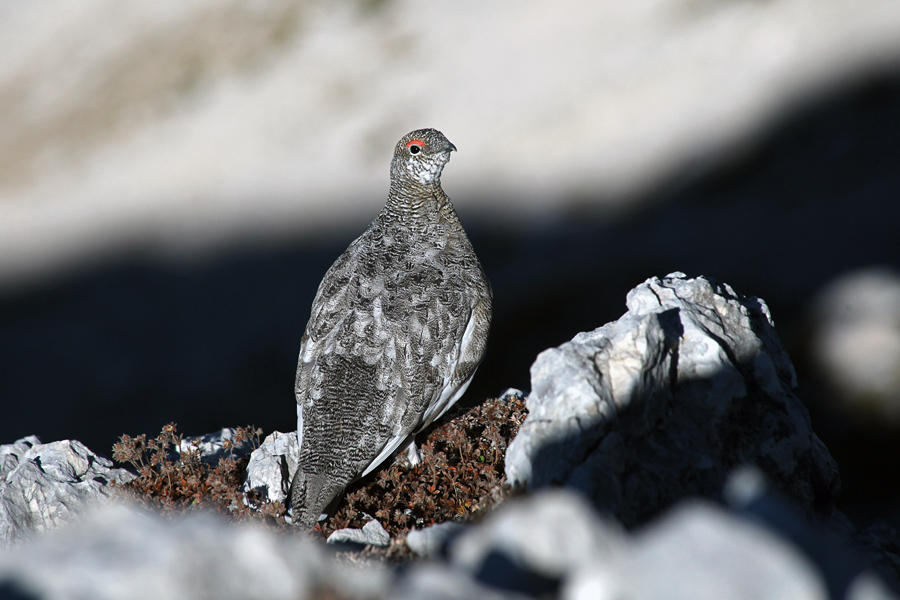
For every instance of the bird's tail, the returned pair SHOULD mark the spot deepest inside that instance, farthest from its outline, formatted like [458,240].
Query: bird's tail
[312,495]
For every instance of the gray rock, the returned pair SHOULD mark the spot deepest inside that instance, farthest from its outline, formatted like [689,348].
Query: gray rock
[123,552]
[661,404]
[438,582]
[553,544]
[372,534]
[348,535]
[431,541]
[530,545]
[11,454]
[271,465]
[45,485]
[376,534]
[841,566]
[699,551]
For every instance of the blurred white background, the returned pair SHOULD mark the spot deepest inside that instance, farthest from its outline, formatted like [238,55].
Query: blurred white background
[183,124]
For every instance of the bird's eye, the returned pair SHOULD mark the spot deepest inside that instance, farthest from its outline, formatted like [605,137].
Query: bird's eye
[414,147]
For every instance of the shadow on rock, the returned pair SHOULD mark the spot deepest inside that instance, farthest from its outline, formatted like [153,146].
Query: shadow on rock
[663,403]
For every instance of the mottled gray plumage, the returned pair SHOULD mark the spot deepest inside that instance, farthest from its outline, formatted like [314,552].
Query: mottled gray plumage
[398,326]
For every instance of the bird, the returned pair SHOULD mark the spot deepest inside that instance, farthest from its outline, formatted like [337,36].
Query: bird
[397,329]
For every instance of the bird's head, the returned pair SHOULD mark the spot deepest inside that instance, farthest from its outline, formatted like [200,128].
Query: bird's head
[420,156]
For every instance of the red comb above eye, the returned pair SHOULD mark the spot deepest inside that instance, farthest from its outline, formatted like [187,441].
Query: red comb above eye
[415,143]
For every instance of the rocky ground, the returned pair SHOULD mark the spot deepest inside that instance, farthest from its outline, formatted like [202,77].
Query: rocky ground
[663,455]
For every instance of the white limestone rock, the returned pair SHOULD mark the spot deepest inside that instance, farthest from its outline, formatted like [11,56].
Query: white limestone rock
[45,485]
[663,402]
[371,534]
[11,454]
[271,465]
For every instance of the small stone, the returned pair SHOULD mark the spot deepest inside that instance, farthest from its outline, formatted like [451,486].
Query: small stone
[371,534]
[376,535]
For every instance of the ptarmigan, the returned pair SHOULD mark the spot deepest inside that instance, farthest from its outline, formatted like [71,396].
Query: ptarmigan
[398,326]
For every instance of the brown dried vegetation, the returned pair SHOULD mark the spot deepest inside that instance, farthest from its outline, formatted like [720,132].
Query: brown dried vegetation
[460,476]
[173,481]
[461,473]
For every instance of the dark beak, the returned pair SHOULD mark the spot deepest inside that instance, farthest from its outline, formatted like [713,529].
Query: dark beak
[450,146]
